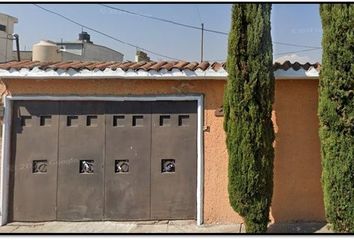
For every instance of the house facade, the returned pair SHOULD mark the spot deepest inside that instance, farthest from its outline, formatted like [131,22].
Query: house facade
[145,141]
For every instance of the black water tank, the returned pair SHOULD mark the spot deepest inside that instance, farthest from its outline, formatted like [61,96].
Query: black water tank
[84,36]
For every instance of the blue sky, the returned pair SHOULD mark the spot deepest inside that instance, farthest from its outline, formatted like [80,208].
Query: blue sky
[291,23]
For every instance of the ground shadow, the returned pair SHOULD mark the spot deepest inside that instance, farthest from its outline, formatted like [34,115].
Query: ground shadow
[299,227]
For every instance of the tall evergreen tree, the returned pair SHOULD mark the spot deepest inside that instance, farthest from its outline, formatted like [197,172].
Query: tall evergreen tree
[336,113]
[248,99]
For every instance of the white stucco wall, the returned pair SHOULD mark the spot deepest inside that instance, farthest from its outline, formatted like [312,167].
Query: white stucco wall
[90,52]
[6,45]
[100,53]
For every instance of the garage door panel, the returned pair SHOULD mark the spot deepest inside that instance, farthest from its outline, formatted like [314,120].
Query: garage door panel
[127,171]
[92,160]
[81,155]
[173,160]
[34,161]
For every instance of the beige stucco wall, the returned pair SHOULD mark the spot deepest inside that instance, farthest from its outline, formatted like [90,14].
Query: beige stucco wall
[297,168]
[297,190]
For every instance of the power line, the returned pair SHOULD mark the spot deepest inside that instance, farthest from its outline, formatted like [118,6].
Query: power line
[295,45]
[193,27]
[306,50]
[155,53]
[104,34]
[164,20]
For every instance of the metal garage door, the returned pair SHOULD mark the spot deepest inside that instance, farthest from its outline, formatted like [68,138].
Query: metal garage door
[173,160]
[127,169]
[87,160]
[34,161]
[81,159]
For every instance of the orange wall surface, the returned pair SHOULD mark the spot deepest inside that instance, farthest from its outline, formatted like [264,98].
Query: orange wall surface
[297,190]
[297,167]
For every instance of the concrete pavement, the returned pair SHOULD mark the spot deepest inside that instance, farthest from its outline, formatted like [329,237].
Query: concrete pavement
[153,227]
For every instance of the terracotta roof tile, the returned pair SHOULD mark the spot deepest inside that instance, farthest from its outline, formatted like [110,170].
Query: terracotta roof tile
[61,65]
[216,66]
[157,66]
[46,65]
[16,65]
[180,64]
[81,65]
[203,65]
[191,66]
[116,65]
[135,66]
[145,66]
[168,66]
[125,66]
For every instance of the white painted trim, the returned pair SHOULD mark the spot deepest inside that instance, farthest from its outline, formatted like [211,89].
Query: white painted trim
[109,73]
[307,78]
[7,130]
[5,160]
[191,97]
[200,161]
[162,78]
[119,74]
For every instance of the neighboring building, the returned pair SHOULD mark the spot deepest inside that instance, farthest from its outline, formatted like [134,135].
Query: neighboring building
[141,56]
[6,36]
[81,50]
[24,55]
[140,141]
[85,50]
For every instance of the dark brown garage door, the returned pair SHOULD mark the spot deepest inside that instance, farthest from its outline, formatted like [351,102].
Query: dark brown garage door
[88,160]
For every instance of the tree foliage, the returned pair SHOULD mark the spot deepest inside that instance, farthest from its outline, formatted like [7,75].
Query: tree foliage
[336,113]
[248,99]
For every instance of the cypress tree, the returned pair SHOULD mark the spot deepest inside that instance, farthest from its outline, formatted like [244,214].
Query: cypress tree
[248,99]
[336,114]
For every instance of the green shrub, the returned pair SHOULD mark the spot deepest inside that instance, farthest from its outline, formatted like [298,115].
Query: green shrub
[336,114]
[248,99]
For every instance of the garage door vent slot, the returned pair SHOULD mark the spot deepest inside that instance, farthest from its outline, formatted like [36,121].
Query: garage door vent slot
[91,121]
[165,120]
[121,166]
[72,121]
[168,166]
[86,166]
[25,121]
[39,166]
[118,121]
[138,121]
[45,120]
[183,120]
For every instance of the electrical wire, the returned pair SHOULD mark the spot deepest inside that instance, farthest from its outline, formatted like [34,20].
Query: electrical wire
[296,45]
[164,20]
[104,34]
[311,48]
[193,27]
[306,50]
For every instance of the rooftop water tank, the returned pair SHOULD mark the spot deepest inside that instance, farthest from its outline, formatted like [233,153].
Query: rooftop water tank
[45,51]
[85,37]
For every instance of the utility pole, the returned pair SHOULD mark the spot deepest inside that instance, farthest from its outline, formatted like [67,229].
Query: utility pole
[202,44]
[17,46]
